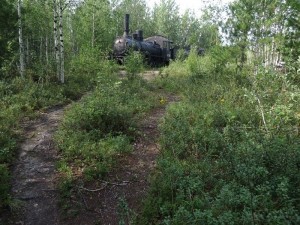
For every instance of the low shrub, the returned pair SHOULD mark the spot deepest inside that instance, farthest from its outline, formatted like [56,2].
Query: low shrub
[4,185]
[230,151]
[101,126]
[134,64]
[22,97]
[251,181]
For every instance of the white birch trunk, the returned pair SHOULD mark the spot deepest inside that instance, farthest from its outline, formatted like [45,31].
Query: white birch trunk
[62,62]
[21,44]
[273,51]
[56,48]
[41,50]
[72,37]
[27,56]
[93,25]
[93,34]
[46,51]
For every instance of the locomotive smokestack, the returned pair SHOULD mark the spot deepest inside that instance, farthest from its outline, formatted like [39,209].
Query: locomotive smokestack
[140,35]
[126,25]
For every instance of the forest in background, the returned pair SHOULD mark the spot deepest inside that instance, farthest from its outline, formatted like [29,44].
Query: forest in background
[230,149]
[42,37]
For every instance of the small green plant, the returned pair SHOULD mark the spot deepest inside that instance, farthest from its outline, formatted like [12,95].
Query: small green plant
[126,215]
[134,64]
[230,149]
[4,185]
[22,97]
[101,126]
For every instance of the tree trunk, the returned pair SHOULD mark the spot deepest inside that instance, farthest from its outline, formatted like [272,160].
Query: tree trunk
[21,44]
[93,24]
[62,62]
[93,32]
[27,51]
[46,51]
[41,50]
[55,21]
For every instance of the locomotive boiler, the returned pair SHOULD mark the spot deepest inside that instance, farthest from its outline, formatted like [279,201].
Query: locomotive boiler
[156,49]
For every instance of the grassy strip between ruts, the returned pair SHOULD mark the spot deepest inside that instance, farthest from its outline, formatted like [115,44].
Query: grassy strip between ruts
[100,128]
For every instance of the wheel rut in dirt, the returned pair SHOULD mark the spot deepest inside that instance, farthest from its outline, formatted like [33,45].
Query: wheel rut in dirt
[34,172]
[117,199]
[108,202]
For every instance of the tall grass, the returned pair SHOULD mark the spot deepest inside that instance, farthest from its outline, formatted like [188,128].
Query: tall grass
[101,127]
[230,148]
[21,98]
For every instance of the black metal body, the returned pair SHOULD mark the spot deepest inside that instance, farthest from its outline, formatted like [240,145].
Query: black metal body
[156,49]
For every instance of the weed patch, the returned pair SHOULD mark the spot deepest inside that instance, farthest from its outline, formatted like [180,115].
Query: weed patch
[21,98]
[100,128]
[230,149]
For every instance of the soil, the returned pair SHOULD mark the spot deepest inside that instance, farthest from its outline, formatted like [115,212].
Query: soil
[33,184]
[109,202]
[119,197]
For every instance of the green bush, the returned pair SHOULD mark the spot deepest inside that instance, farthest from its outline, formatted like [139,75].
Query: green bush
[101,126]
[230,150]
[200,66]
[176,69]
[134,64]
[20,97]
[212,174]
[242,184]
[4,185]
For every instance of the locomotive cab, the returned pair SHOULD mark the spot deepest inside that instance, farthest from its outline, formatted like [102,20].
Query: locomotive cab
[167,50]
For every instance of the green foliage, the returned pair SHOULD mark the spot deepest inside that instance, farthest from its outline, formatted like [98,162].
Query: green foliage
[176,69]
[166,19]
[4,187]
[100,127]
[291,40]
[126,215]
[22,97]
[92,26]
[280,99]
[199,66]
[134,64]
[83,71]
[8,20]
[172,77]
[230,149]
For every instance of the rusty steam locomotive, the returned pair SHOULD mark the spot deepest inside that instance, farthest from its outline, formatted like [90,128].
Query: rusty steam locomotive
[157,49]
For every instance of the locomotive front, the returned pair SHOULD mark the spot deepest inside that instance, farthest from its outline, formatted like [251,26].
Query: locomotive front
[120,44]
[119,50]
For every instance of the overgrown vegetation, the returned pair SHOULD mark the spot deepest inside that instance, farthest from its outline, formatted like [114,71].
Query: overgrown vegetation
[23,97]
[230,148]
[100,128]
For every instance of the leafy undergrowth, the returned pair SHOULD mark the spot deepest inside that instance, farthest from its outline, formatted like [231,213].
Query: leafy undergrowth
[21,98]
[230,148]
[100,128]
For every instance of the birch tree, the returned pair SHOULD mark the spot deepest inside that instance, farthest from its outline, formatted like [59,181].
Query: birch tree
[263,27]
[93,25]
[292,40]
[8,31]
[55,33]
[58,39]
[61,46]
[166,19]
[21,44]
[37,25]
[59,7]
